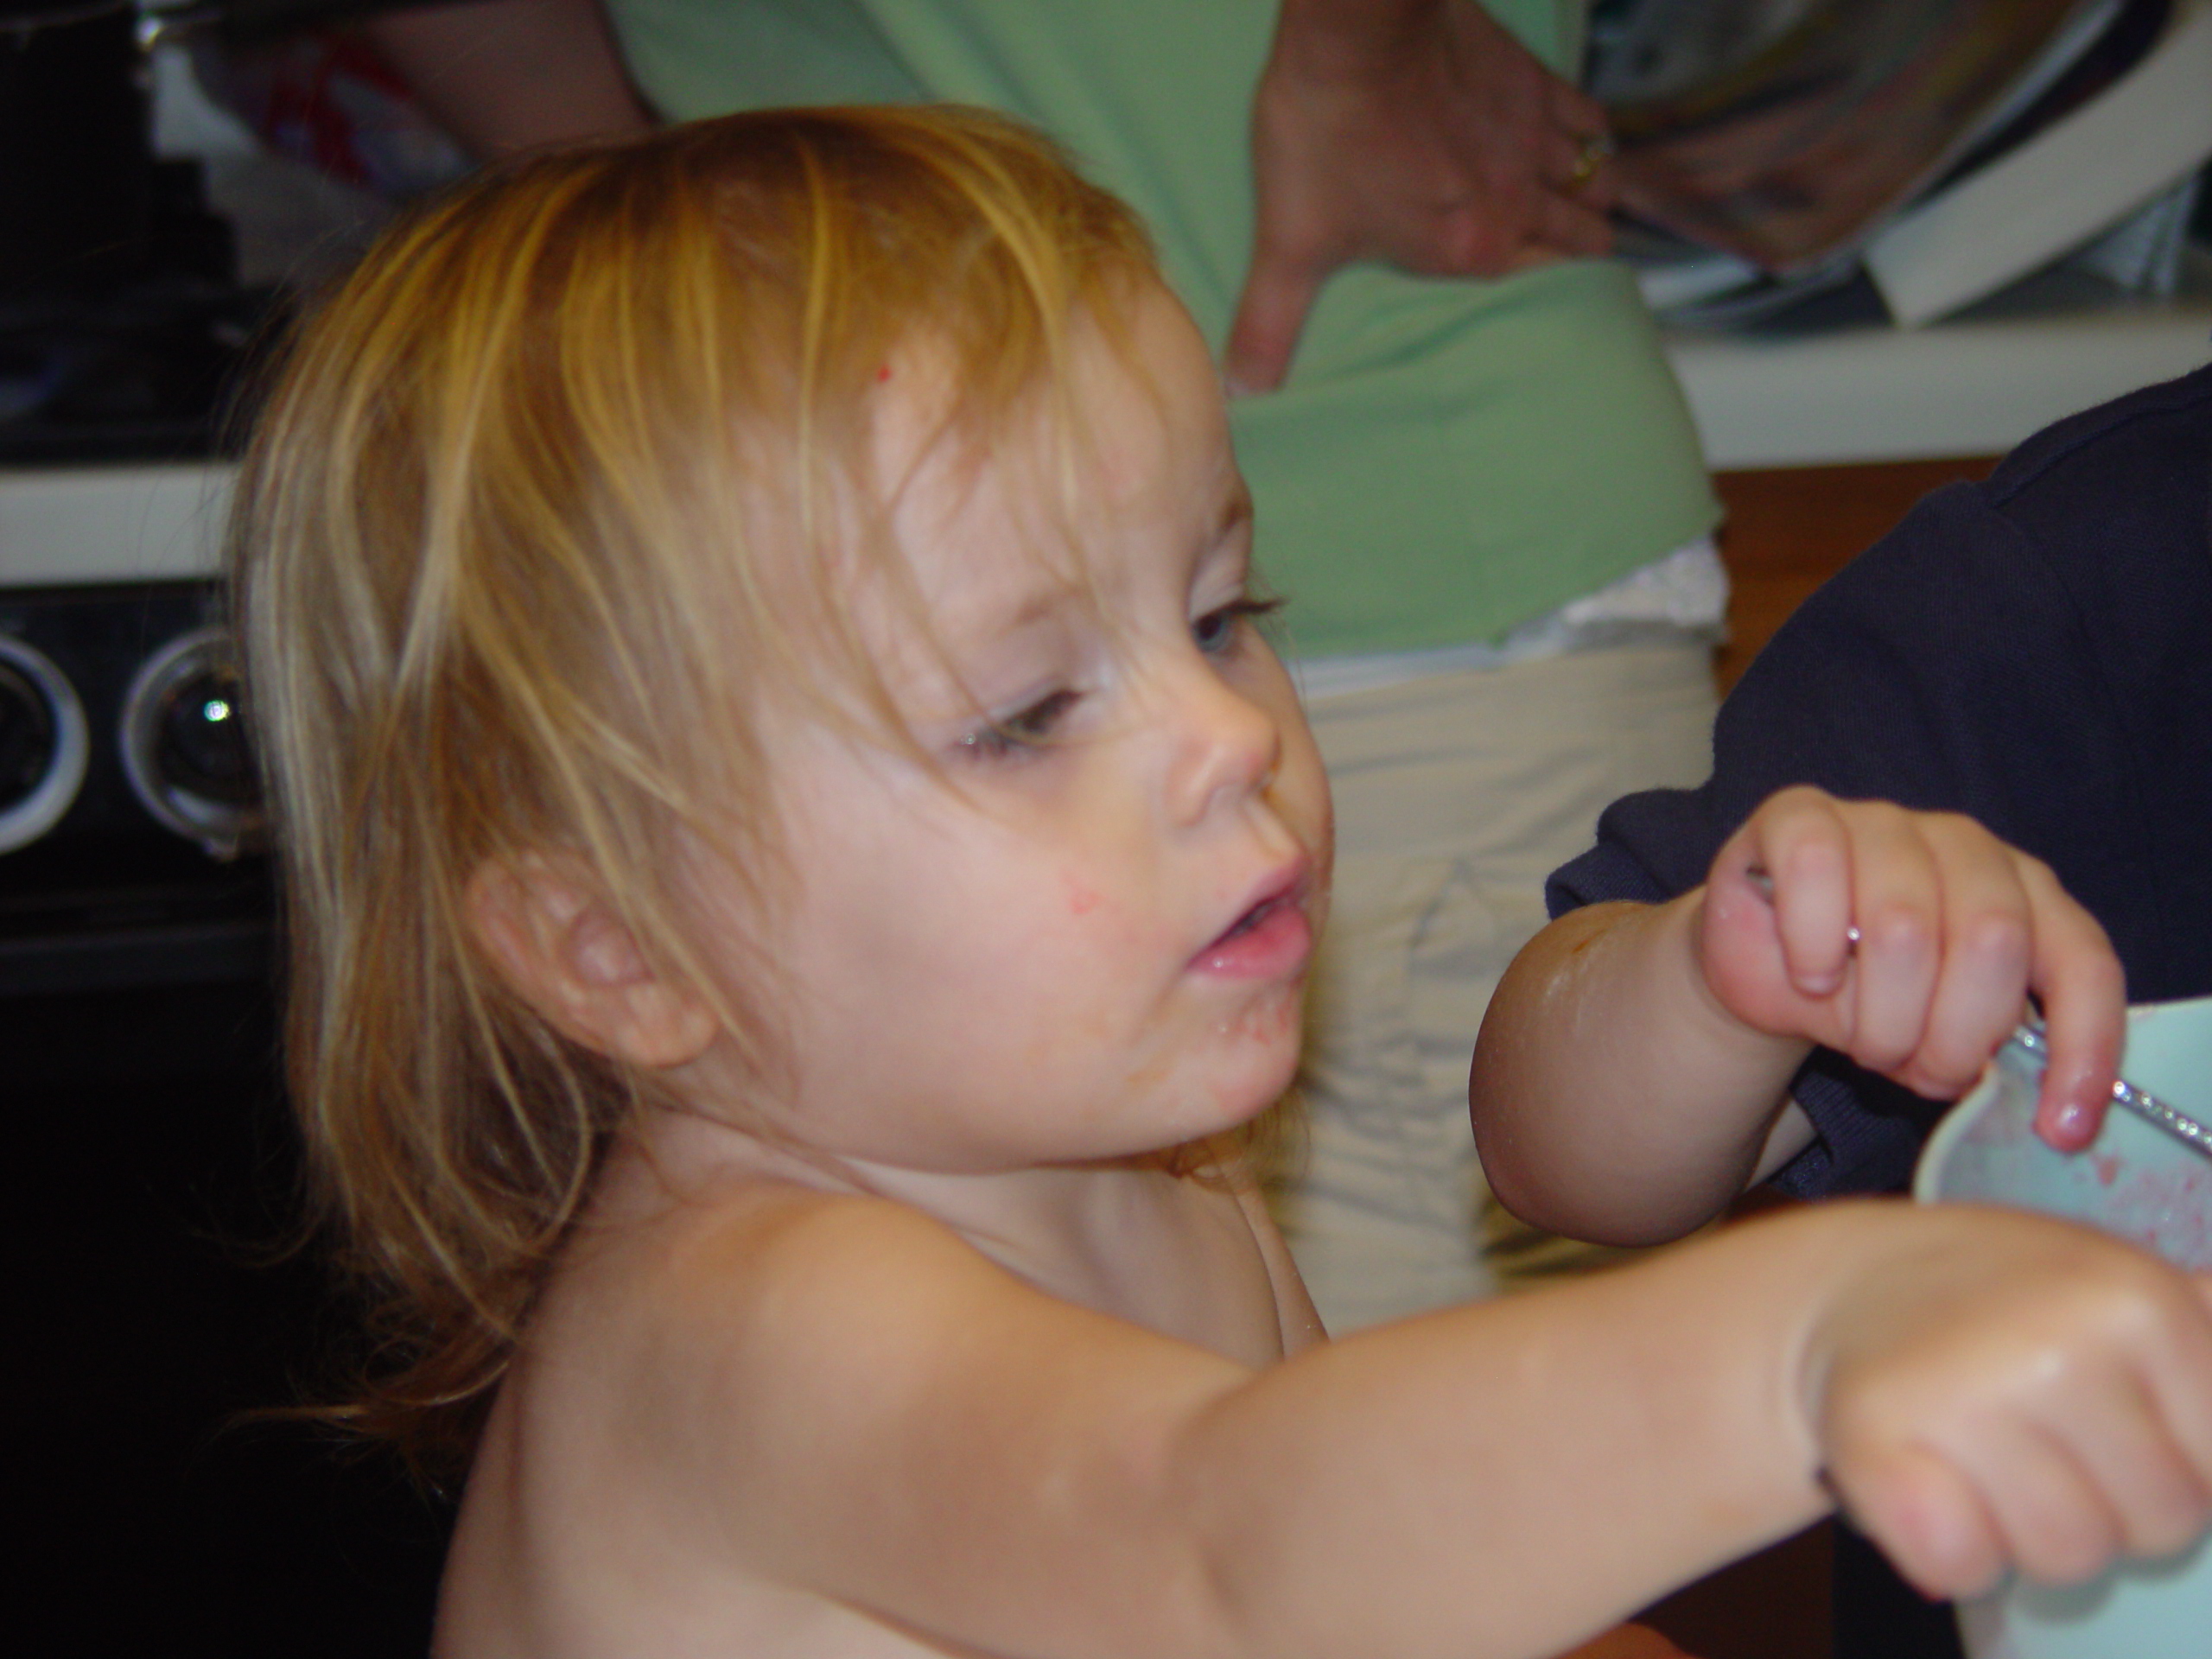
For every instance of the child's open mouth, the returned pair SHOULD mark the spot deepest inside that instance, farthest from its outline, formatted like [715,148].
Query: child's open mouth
[1271,940]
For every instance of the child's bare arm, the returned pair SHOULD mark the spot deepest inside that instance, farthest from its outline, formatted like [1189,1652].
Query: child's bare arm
[1629,1077]
[878,1415]
[1614,1098]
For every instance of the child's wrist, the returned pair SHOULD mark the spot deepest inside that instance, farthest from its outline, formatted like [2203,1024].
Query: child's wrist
[1827,1254]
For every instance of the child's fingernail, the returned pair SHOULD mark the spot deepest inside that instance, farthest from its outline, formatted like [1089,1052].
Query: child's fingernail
[2073,1122]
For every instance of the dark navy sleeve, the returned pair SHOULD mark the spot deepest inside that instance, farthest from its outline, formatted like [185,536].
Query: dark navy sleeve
[2030,652]
[1944,668]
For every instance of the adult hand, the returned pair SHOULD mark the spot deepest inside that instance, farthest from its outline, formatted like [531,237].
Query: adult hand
[1415,131]
[504,75]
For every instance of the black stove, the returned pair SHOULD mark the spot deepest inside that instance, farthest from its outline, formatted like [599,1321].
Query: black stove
[129,818]
[151,1189]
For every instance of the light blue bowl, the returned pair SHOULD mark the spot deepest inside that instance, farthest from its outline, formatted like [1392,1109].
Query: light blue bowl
[2136,1180]
[2147,1186]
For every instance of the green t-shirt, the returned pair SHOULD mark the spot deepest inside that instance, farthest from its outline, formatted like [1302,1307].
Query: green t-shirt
[1448,458]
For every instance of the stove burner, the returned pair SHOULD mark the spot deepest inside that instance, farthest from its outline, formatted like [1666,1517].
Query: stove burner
[129,815]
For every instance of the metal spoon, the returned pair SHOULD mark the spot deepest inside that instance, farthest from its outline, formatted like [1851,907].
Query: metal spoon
[2029,1041]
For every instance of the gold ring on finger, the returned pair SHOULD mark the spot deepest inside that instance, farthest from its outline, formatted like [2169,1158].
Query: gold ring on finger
[1595,152]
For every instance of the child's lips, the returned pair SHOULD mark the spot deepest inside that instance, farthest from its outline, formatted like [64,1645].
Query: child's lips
[1270,940]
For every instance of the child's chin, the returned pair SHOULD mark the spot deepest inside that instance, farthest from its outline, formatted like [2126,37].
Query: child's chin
[1267,1082]
[1272,1025]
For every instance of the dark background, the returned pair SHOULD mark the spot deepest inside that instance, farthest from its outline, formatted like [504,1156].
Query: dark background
[149,1196]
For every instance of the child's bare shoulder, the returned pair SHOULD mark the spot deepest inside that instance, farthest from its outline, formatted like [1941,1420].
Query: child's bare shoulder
[711,1260]
[690,1359]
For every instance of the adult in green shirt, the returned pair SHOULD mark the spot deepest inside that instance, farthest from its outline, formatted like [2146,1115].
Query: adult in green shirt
[1475,481]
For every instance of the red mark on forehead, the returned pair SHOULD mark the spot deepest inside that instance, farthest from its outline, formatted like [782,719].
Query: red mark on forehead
[883,373]
[1081,899]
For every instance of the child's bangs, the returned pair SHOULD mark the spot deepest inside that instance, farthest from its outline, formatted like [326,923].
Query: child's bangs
[954,269]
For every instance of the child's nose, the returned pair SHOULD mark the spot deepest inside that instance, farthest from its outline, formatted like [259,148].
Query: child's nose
[1226,746]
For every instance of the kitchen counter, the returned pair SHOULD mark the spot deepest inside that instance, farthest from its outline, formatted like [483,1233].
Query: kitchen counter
[1975,385]
[60,526]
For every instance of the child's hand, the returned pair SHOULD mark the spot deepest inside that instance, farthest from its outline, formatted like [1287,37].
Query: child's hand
[1910,942]
[2017,1394]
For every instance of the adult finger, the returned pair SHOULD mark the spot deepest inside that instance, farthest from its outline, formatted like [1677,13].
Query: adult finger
[1270,315]
[1572,222]
[1570,107]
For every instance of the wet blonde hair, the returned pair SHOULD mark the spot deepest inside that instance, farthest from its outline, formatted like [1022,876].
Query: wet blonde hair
[500,553]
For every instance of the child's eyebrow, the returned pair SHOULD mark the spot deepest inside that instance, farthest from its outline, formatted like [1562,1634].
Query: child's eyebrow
[1040,604]
[1045,600]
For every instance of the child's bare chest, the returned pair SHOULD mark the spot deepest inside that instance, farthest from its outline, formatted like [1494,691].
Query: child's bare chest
[558,1553]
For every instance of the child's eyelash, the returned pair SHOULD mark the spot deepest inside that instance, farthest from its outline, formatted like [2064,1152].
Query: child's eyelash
[1216,630]
[1023,731]
[1033,727]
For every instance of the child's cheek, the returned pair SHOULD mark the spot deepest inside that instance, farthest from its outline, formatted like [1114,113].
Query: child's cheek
[1110,928]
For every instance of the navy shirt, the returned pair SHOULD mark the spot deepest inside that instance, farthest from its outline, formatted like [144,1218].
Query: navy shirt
[2034,651]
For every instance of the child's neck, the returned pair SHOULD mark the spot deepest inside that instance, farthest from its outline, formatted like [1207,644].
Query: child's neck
[1130,1237]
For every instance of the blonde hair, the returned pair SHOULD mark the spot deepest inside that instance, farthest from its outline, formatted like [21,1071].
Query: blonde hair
[498,564]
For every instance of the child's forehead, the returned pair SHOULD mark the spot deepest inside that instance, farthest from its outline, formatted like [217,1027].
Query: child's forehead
[974,529]
[1131,423]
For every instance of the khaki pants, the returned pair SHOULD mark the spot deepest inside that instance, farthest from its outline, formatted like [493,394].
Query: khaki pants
[1457,794]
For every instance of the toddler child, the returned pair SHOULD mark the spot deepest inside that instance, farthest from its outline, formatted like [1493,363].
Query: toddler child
[801,870]
[2030,651]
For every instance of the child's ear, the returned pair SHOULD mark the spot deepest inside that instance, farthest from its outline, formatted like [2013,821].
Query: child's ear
[563,950]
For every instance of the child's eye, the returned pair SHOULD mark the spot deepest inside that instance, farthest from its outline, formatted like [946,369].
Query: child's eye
[1216,631]
[1027,729]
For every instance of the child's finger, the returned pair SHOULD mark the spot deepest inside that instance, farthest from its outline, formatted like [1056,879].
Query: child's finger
[1898,908]
[2059,1524]
[1799,840]
[1926,1518]
[2077,977]
[1986,945]
[2159,1500]
[2109,1455]
[2182,1391]
[2056,1501]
